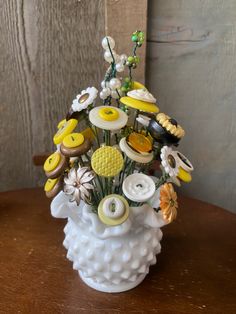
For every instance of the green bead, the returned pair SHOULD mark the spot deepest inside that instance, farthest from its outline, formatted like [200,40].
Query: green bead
[130,59]
[134,38]
[126,84]
[123,89]
[139,44]
[127,79]
[136,59]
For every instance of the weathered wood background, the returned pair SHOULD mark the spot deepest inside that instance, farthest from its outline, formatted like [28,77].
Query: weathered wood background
[49,52]
[191,68]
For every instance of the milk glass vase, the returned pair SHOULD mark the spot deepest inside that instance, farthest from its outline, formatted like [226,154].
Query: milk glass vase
[109,258]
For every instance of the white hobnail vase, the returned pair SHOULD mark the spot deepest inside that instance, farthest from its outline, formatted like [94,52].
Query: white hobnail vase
[109,258]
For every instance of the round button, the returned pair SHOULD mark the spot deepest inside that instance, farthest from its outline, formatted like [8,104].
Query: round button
[73,140]
[140,142]
[138,187]
[52,162]
[49,185]
[184,175]
[108,113]
[61,123]
[65,129]
[113,210]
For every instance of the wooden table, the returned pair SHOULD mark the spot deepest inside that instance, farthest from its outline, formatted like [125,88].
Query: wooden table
[195,273]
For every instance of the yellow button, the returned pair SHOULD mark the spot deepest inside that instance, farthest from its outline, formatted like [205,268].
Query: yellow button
[139,104]
[49,185]
[107,161]
[108,114]
[137,85]
[51,162]
[108,220]
[139,142]
[184,175]
[61,123]
[66,129]
[73,140]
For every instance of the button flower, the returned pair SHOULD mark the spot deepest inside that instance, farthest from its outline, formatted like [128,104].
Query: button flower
[142,94]
[108,117]
[77,184]
[176,165]
[113,210]
[139,104]
[107,161]
[169,161]
[133,154]
[168,202]
[84,99]
[138,187]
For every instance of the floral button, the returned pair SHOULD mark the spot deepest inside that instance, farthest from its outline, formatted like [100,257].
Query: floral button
[113,210]
[84,99]
[138,187]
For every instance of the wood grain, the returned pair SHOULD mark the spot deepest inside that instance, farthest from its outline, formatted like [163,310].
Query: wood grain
[50,51]
[195,272]
[191,69]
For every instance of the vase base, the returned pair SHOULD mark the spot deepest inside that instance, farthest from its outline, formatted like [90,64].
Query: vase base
[112,288]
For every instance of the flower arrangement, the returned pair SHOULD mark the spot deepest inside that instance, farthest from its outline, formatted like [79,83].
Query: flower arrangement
[107,164]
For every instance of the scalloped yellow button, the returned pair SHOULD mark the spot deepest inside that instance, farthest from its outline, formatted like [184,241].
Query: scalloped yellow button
[73,140]
[184,175]
[108,113]
[139,104]
[107,161]
[52,162]
[65,129]
[50,183]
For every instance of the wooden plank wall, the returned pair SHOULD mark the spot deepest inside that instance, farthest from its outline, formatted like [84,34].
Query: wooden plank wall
[191,68]
[49,51]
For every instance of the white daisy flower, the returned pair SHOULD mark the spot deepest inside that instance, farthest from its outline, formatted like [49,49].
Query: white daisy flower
[169,161]
[77,184]
[84,99]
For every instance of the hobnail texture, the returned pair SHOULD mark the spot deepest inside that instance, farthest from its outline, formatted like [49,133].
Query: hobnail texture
[109,259]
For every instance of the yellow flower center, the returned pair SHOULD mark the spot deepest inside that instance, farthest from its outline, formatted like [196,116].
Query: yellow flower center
[108,114]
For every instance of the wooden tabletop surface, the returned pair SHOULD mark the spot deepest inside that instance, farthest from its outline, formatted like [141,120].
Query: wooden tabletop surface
[195,272]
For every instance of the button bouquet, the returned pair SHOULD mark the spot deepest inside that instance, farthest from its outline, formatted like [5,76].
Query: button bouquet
[100,175]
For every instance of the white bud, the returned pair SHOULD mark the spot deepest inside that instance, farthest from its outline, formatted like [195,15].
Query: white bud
[114,94]
[105,44]
[120,67]
[123,57]
[106,91]
[103,84]
[108,56]
[103,95]
[114,83]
